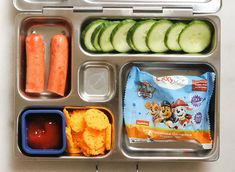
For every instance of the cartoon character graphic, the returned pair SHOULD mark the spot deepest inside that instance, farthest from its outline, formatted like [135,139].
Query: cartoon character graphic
[153,110]
[180,111]
[145,89]
[166,114]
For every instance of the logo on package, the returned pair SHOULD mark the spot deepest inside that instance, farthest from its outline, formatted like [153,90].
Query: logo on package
[145,90]
[199,85]
[171,82]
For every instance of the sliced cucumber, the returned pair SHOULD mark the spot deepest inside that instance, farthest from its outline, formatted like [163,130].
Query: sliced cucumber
[119,36]
[195,37]
[172,36]
[138,35]
[156,36]
[105,36]
[129,40]
[87,33]
[95,36]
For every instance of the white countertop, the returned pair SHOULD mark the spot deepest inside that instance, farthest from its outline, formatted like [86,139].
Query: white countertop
[225,163]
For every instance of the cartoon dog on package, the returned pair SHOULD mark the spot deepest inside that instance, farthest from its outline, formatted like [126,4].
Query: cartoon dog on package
[166,114]
[180,109]
[153,110]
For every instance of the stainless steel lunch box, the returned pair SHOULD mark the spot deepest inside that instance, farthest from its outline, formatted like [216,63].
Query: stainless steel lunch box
[70,17]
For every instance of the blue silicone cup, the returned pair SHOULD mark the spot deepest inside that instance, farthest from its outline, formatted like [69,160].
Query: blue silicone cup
[30,151]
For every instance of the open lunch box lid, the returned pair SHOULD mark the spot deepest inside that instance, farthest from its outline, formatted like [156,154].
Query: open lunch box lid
[197,6]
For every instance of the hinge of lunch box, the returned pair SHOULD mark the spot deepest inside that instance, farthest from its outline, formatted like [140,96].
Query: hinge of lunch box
[147,9]
[87,9]
[52,9]
[104,10]
[177,12]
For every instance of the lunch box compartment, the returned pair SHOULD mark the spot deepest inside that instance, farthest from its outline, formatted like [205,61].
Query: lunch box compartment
[47,27]
[96,82]
[210,49]
[57,112]
[32,115]
[173,149]
[112,121]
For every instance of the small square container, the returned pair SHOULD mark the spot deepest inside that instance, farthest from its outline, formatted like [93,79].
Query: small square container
[96,81]
[42,114]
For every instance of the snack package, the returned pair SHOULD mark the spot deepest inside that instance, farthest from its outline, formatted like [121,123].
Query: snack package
[168,108]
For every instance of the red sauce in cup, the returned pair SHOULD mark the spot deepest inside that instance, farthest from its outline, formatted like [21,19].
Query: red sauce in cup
[44,132]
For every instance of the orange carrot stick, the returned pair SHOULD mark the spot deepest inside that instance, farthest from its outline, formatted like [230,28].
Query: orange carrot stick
[58,64]
[35,66]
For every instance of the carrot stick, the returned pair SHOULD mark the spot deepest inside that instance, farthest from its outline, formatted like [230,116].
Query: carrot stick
[35,66]
[58,64]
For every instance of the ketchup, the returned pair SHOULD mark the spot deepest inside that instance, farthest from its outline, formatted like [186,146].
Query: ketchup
[44,132]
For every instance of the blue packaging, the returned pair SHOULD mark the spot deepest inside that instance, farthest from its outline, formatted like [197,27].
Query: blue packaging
[170,108]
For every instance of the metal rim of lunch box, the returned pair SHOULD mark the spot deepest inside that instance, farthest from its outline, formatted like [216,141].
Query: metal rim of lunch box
[187,10]
[205,6]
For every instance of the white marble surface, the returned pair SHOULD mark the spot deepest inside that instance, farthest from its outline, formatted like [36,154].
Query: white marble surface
[226,162]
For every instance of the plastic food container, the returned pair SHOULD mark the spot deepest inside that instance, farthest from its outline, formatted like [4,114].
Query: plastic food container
[52,117]
[99,79]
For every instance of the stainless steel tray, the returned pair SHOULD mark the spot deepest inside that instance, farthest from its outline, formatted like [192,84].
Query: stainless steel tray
[115,67]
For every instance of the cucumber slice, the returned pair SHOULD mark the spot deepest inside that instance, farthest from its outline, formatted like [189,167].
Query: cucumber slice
[87,33]
[129,40]
[195,37]
[156,36]
[105,36]
[138,35]
[119,36]
[95,36]
[172,36]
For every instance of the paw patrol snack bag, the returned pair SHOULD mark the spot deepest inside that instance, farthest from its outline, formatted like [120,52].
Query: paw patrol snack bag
[168,108]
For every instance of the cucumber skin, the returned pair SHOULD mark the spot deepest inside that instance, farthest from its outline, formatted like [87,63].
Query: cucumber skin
[129,40]
[120,25]
[155,25]
[129,36]
[85,31]
[97,31]
[167,33]
[197,22]
[133,29]
[103,29]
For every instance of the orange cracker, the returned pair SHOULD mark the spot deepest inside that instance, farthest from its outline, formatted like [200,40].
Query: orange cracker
[91,152]
[67,117]
[77,122]
[108,138]
[94,139]
[71,148]
[77,137]
[96,119]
